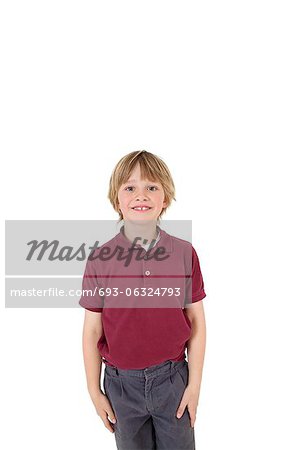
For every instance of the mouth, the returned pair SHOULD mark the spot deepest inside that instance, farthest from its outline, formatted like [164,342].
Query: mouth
[141,209]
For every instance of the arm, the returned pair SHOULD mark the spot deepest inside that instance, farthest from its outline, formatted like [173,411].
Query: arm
[196,351]
[92,331]
[196,344]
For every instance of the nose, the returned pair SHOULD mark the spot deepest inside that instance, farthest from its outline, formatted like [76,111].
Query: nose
[141,195]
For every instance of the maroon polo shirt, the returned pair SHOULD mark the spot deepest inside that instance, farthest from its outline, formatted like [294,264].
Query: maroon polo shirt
[143,299]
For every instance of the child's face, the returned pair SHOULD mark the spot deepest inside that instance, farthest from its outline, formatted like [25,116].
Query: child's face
[140,192]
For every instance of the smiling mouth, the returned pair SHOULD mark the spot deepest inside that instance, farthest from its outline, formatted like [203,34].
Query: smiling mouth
[143,208]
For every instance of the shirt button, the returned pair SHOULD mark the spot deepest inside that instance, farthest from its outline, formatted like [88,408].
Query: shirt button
[147,272]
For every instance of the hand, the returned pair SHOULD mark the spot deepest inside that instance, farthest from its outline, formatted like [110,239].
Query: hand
[189,399]
[104,409]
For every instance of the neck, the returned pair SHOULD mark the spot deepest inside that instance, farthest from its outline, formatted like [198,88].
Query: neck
[144,229]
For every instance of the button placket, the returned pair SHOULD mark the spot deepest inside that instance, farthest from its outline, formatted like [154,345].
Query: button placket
[147,279]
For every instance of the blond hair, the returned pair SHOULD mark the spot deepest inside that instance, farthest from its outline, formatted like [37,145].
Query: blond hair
[151,166]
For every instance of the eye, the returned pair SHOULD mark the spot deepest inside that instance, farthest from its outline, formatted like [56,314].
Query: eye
[132,187]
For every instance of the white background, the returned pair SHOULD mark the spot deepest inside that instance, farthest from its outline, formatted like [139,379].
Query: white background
[212,88]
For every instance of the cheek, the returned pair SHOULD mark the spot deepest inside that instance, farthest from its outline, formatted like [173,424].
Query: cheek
[161,198]
[123,198]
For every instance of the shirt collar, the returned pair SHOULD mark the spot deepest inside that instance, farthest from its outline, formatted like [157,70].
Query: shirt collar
[164,239]
[146,246]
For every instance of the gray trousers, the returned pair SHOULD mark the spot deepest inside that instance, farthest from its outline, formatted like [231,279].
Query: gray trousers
[145,402]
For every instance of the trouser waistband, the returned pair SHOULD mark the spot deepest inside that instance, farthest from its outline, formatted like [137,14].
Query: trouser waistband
[157,369]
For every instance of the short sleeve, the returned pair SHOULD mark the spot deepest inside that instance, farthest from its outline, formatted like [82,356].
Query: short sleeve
[90,297]
[198,291]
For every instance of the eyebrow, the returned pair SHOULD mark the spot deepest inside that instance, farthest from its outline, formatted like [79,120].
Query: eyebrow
[147,181]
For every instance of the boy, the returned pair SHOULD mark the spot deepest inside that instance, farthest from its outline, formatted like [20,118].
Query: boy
[151,391]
